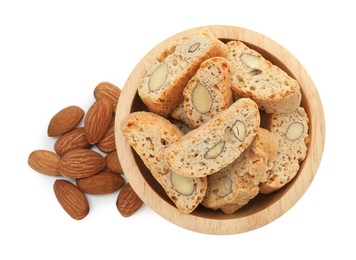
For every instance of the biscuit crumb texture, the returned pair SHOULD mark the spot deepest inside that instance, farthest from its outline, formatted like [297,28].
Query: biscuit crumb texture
[214,145]
[162,86]
[150,134]
[214,78]
[236,184]
[291,153]
[257,78]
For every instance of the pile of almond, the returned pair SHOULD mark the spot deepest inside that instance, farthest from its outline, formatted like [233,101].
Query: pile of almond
[85,157]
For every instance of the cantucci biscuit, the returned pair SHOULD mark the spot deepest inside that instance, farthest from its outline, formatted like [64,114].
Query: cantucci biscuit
[255,77]
[162,86]
[208,92]
[217,143]
[234,186]
[150,134]
[291,130]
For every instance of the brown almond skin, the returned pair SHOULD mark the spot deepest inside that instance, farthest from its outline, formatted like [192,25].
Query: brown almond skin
[113,163]
[127,201]
[45,162]
[81,163]
[74,139]
[108,91]
[101,183]
[97,121]
[107,144]
[65,120]
[72,200]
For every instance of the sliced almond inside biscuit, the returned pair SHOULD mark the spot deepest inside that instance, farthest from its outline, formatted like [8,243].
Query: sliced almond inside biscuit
[194,47]
[239,130]
[295,131]
[201,99]
[158,77]
[183,185]
[215,151]
[252,61]
[225,186]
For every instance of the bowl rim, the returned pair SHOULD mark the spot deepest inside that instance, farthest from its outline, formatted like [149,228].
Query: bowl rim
[228,225]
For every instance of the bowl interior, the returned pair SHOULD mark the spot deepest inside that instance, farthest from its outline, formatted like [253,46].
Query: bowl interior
[257,204]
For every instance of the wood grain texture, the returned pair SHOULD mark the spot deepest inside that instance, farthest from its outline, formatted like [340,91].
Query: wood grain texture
[264,208]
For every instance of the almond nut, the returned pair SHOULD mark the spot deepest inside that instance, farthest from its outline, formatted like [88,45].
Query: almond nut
[101,183]
[215,151]
[251,61]
[65,120]
[113,163]
[108,91]
[183,185]
[72,200]
[201,99]
[194,47]
[225,186]
[158,77]
[127,201]
[107,144]
[97,121]
[229,137]
[74,139]
[295,131]
[301,112]
[239,130]
[45,162]
[81,163]
[255,72]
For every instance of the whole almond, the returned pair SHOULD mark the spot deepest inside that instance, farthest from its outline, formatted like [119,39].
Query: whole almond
[101,183]
[72,200]
[65,120]
[113,163]
[108,91]
[97,121]
[45,162]
[80,163]
[127,201]
[107,144]
[74,139]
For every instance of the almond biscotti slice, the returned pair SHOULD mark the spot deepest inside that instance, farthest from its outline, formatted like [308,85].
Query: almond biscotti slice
[291,130]
[255,77]
[236,184]
[216,143]
[150,134]
[208,92]
[162,86]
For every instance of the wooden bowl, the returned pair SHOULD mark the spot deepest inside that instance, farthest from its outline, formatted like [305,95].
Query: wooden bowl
[264,208]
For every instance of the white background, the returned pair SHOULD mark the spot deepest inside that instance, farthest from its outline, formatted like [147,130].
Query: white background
[53,53]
